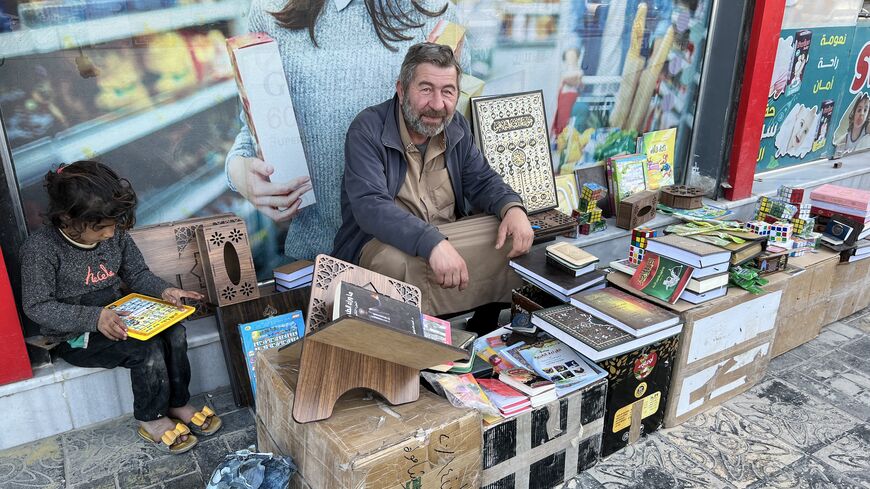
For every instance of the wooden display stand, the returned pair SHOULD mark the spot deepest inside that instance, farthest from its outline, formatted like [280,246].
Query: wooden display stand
[350,352]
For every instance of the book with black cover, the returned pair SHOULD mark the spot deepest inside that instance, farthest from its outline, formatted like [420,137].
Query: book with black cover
[625,311]
[355,301]
[593,337]
[534,265]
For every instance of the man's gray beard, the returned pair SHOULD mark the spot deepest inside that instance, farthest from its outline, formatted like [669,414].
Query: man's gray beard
[416,122]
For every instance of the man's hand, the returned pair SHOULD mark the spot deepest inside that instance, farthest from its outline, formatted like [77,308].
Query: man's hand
[516,225]
[174,295]
[111,324]
[278,201]
[449,267]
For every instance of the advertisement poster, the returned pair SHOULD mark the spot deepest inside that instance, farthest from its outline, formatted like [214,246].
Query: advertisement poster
[851,117]
[810,73]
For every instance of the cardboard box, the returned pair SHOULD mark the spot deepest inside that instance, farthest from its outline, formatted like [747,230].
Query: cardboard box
[637,393]
[848,293]
[547,446]
[725,349]
[366,442]
[269,111]
[804,299]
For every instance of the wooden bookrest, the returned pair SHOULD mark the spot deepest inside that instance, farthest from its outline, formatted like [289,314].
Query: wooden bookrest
[351,353]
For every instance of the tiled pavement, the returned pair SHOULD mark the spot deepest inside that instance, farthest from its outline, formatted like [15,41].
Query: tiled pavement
[806,425]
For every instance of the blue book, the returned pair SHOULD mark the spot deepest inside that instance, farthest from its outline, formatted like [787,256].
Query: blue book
[265,334]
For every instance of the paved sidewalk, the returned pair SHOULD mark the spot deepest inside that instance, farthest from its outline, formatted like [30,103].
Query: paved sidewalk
[805,425]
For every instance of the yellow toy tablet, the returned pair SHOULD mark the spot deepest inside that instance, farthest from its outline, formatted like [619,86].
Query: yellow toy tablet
[148,316]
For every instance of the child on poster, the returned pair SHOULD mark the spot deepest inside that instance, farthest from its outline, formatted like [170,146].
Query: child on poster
[851,134]
[74,266]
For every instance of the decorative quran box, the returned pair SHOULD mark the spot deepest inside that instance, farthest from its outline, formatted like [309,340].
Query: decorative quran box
[226,259]
[724,350]
[682,197]
[636,209]
[427,444]
[760,228]
[637,393]
[530,298]
[552,223]
[770,262]
[546,446]
[511,132]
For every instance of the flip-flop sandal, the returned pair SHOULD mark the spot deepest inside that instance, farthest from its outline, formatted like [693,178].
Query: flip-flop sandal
[200,418]
[171,441]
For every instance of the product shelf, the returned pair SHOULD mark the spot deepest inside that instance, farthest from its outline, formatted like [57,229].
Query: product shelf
[183,198]
[536,8]
[67,36]
[33,160]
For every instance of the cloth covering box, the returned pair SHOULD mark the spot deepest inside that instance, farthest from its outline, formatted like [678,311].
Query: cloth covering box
[546,446]
[366,442]
[637,393]
[804,300]
[725,349]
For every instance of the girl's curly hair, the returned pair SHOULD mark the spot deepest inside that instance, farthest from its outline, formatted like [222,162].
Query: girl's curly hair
[85,193]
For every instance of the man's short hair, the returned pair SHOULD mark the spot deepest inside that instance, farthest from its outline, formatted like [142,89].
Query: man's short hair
[428,52]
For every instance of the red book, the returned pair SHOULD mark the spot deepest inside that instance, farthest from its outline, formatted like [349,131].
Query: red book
[507,399]
[818,211]
[846,196]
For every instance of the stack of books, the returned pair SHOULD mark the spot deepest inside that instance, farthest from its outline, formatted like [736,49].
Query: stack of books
[852,203]
[559,279]
[509,401]
[671,261]
[860,252]
[293,275]
[631,323]
[539,390]
[571,258]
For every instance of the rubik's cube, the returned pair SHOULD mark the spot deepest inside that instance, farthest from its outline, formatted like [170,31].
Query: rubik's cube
[594,215]
[760,228]
[770,210]
[814,239]
[802,226]
[803,211]
[780,234]
[800,246]
[790,194]
[587,205]
[592,192]
[639,239]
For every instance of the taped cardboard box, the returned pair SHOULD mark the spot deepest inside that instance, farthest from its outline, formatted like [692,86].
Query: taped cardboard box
[848,291]
[804,299]
[725,349]
[637,393]
[547,446]
[366,442]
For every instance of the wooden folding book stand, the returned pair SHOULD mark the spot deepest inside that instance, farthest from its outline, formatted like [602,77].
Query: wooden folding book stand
[351,352]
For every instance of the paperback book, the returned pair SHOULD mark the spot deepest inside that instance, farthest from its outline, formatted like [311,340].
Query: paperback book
[625,176]
[508,400]
[659,147]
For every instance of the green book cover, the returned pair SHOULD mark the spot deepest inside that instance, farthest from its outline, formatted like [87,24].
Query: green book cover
[658,147]
[661,277]
[628,176]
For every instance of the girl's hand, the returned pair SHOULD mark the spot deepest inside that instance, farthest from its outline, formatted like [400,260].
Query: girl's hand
[174,295]
[111,324]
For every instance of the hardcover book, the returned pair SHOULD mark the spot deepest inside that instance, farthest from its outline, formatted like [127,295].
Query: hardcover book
[535,266]
[661,277]
[697,254]
[627,312]
[571,255]
[355,301]
[699,286]
[625,176]
[594,338]
[852,198]
[265,334]
[294,271]
[512,135]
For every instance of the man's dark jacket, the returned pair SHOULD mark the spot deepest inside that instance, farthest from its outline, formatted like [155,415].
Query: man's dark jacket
[374,171]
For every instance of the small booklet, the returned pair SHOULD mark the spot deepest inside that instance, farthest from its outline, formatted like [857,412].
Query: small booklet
[268,333]
[148,315]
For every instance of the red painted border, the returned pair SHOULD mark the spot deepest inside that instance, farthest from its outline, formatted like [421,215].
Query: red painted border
[15,364]
[764,40]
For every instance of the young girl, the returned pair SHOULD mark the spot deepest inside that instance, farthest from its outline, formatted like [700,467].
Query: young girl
[857,122]
[74,266]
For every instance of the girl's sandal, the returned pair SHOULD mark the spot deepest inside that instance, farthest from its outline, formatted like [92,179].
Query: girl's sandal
[171,441]
[200,418]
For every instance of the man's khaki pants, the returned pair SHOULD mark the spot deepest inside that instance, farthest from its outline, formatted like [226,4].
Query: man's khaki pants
[490,277]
